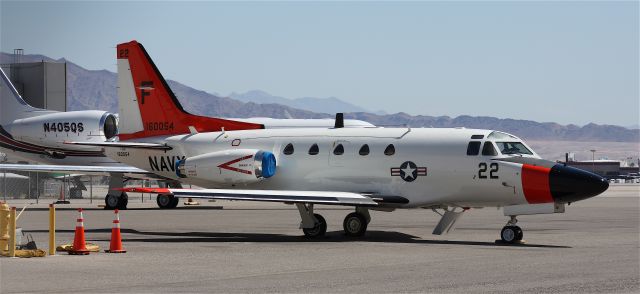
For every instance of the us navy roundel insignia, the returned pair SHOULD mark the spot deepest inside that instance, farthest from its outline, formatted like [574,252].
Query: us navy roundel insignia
[408,171]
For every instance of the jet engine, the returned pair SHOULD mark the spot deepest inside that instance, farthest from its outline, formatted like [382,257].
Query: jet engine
[55,128]
[239,166]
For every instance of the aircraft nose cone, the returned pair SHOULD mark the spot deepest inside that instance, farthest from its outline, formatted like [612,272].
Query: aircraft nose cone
[569,184]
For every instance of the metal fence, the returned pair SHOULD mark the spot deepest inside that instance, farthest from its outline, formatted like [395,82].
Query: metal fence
[48,187]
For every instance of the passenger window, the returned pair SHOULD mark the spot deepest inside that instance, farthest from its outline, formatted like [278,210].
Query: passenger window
[339,150]
[364,150]
[314,150]
[390,150]
[473,148]
[288,150]
[488,149]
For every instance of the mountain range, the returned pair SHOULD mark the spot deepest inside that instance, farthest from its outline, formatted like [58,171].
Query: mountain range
[322,105]
[96,89]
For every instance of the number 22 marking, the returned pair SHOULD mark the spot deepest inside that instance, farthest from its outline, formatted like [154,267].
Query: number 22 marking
[483,169]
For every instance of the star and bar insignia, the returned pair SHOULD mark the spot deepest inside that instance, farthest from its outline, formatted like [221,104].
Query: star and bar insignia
[408,171]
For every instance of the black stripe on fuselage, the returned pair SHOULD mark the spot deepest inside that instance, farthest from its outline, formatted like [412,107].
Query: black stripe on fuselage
[8,142]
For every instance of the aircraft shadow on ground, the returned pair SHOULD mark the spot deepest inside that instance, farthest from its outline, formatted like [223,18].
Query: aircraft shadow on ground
[335,236]
[58,208]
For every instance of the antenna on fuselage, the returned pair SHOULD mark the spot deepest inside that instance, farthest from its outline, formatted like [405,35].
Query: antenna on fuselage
[339,120]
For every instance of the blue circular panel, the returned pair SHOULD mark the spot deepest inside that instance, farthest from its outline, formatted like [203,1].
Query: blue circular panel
[268,164]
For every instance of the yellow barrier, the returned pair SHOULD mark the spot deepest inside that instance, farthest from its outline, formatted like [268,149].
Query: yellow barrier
[12,232]
[52,229]
[4,227]
[27,253]
[67,247]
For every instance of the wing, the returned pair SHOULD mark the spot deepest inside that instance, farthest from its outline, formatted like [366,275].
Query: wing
[316,197]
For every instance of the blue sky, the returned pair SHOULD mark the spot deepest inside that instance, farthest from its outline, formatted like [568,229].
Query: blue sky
[567,62]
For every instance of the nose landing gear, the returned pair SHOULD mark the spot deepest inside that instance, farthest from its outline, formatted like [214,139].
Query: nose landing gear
[511,234]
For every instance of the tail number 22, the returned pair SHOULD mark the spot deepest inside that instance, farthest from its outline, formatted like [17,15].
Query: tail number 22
[482,171]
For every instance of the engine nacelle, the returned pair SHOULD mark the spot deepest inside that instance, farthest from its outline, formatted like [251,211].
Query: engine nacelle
[240,166]
[54,129]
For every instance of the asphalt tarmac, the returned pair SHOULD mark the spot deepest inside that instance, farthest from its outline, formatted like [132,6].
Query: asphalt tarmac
[256,247]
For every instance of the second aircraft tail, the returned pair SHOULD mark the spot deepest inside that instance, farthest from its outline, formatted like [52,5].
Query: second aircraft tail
[12,106]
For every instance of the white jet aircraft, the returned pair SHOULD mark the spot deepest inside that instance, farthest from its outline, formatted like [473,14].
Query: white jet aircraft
[38,135]
[452,170]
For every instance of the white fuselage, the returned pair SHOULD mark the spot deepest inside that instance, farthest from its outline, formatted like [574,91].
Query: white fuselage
[451,176]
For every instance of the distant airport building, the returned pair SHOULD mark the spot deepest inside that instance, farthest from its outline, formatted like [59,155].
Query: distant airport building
[604,167]
[42,84]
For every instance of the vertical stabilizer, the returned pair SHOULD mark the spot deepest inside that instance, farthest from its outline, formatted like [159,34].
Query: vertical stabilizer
[12,106]
[147,105]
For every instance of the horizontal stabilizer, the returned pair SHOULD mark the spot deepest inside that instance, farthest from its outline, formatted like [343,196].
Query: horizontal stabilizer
[124,145]
[73,168]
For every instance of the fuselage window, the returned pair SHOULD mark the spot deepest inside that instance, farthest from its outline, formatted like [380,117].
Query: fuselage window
[488,149]
[364,150]
[339,150]
[390,150]
[314,150]
[477,136]
[288,150]
[473,148]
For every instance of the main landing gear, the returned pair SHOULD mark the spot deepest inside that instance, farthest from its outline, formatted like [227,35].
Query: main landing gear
[168,201]
[511,233]
[116,198]
[314,225]
[355,224]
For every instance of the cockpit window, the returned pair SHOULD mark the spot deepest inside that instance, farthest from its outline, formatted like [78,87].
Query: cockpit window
[473,148]
[495,135]
[488,149]
[513,148]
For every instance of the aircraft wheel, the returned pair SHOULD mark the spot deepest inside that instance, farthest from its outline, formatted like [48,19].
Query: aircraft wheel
[511,234]
[166,201]
[519,234]
[111,202]
[355,224]
[123,200]
[318,230]
[75,193]
[174,202]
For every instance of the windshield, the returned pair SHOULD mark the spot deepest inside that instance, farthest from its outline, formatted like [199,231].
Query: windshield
[513,148]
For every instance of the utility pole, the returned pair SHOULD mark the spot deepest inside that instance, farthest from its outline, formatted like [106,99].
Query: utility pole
[593,160]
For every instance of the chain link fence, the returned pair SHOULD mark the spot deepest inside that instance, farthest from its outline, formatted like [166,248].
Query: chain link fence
[49,187]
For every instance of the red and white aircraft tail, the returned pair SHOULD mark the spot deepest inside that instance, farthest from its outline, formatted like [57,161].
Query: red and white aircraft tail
[149,108]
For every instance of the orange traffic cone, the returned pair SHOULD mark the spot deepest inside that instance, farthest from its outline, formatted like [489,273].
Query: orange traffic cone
[79,245]
[116,239]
